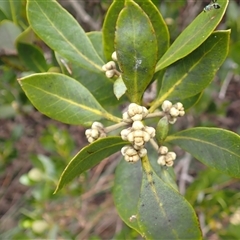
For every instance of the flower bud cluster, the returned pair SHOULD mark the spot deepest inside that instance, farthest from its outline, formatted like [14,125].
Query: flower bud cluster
[95,132]
[132,155]
[173,111]
[134,113]
[110,68]
[138,134]
[166,158]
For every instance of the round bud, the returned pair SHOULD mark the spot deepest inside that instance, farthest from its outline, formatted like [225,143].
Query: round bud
[172,120]
[97,125]
[110,73]
[110,65]
[163,150]
[114,56]
[171,156]
[142,152]
[137,125]
[161,160]
[151,131]
[35,174]
[166,105]
[39,226]
[169,164]
[124,134]
[174,112]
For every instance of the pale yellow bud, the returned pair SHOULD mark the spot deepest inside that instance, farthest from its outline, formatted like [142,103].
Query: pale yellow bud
[174,112]
[137,125]
[161,160]
[110,73]
[142,152]
[166,105]
[114,56]
[163,150]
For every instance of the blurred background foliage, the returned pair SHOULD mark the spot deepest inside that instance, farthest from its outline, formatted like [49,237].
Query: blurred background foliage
[34,149]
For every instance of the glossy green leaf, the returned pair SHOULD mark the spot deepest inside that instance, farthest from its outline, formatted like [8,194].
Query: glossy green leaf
[216,148]
[109,26]
[63,98]
[193,36]
[88,157]
[192,74]
[32,56]
[55,26]
[162,212]
[134,32]
[126,191]
[8,34]
[96,40]
[97,83]
[158,23]
[190,102]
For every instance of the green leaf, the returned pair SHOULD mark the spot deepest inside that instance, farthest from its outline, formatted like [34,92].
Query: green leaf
[88,157]
[158,23]
[162,212]
[96,40]
[30,54]
[108,29]
[216,148]
[2,15]
[119,88]
[126,191]
[63,98]
[8,34]
[12,9]
[55,26]
[32,57]
[191,101]
[134,32]
[192,74]
[193,36]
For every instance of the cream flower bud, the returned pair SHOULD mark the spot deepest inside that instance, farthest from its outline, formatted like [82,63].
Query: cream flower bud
[104,68]
[126,118]
[110,65]
[181,113]
[172,120]
[146,136]
[137,125]
[90,139]
[151,131]
[163,150]
[124,133]
[166,105]
[174,112]
[161,160]
[124,149]
[169,164]
[88,132]
[95,133]
[110,73]
[179,106]
[114,56]
[142,152]
[97,125]
[170,156]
